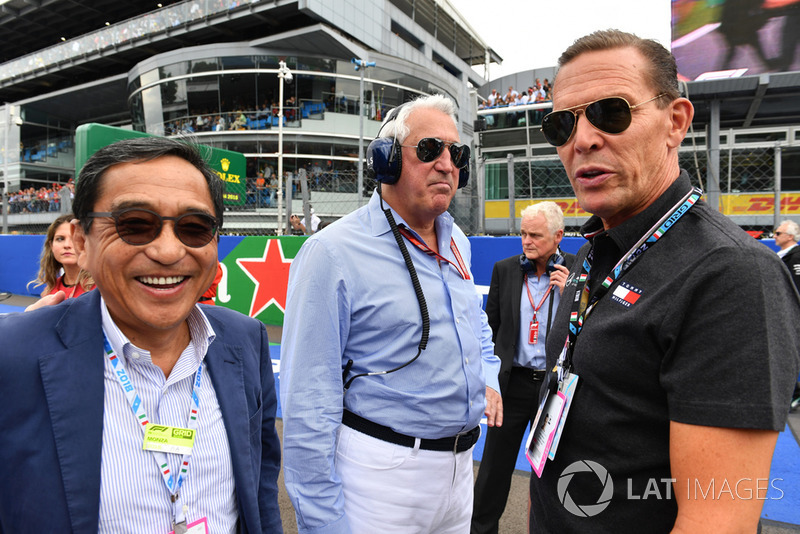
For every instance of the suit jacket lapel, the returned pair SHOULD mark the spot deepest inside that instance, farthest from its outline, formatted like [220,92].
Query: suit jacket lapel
[72,377]
[226,370]
[516,294]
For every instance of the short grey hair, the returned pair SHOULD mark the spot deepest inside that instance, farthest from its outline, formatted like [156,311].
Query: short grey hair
[550,210]
[792,228]
[395,125]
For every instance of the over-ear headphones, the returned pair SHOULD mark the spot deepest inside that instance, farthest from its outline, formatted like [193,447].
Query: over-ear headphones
[385,157]
[526,265]
[553,260]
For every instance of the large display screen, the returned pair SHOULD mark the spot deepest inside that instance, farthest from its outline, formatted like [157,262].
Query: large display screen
[732,38]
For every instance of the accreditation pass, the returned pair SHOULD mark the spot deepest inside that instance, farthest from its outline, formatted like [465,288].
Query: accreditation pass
[172,439]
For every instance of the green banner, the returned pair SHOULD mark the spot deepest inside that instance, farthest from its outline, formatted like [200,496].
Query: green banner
[229,165]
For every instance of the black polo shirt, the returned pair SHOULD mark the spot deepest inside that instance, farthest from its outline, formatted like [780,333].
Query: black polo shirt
[709,339]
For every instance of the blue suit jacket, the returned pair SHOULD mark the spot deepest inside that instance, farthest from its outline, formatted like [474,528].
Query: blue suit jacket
[51,416]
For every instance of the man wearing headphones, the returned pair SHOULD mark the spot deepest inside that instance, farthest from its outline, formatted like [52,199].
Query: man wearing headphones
[786,236]
[520,320]
[382,397]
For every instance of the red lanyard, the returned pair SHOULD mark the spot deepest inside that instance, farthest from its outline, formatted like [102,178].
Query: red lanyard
[530,297]
[461,267]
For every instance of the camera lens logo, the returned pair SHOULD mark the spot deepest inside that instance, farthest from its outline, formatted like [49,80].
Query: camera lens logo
[585,466]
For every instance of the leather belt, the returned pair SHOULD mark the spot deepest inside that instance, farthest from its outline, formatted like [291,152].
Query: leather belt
[535,375]
[458,443]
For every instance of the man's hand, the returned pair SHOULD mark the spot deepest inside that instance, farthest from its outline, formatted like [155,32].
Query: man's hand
[49,300]
[558,277]
[494,408]
[294,220]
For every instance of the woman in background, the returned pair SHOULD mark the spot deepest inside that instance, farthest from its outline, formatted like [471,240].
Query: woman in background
[58,268]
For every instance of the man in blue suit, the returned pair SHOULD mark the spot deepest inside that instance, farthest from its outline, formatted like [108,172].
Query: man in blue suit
[134,409]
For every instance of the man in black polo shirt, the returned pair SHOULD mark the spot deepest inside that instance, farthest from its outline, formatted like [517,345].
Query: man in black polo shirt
[684,336]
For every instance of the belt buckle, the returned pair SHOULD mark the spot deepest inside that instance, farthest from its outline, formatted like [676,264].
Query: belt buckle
[458,437]
[455,444]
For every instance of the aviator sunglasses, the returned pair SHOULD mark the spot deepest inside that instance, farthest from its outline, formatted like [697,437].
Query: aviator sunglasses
[610,115]
[430,148]
[137,226]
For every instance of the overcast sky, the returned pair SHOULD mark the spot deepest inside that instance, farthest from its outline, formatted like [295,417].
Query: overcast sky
[528,37]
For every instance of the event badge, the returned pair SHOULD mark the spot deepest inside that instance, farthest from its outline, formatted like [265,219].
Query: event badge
[197,527]
[543,430]
[170,439]
[533,332]
[567,387]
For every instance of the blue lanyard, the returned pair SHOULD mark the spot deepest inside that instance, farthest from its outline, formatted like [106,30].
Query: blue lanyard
[137,408]
[582,306]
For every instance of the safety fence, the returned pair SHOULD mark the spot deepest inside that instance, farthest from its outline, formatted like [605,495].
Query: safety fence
[747,183]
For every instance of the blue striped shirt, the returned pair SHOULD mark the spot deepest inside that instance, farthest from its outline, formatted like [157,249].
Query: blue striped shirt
[133,496]
[529,355]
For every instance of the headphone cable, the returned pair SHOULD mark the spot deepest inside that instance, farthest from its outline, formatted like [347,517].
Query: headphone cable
[423,306]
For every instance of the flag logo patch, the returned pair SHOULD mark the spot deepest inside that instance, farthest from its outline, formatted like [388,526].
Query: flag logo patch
[626,294]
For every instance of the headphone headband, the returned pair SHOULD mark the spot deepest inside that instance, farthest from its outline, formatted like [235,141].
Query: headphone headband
[385,156]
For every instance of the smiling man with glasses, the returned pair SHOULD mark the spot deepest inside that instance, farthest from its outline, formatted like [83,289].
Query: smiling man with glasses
[136,408]
[386,353]
[678,328]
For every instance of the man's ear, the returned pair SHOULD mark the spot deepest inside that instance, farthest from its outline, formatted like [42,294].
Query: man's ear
[681,115]
[78,241]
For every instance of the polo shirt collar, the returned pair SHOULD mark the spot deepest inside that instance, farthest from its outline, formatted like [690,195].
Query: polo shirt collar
[630,231]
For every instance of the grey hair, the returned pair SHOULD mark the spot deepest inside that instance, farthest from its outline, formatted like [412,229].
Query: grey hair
[550,210]
[792,228]
[395,125]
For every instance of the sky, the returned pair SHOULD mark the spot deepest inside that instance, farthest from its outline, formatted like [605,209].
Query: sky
[528,37]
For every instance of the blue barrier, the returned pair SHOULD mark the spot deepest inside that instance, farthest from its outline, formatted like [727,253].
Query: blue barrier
[19,256]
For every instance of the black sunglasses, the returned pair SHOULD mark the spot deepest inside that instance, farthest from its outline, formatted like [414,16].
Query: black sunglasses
[430,148]
[137,226]
[610,115]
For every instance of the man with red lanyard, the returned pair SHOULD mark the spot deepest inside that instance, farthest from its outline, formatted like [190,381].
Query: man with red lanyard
[387,363]
[523,298]
[681,329]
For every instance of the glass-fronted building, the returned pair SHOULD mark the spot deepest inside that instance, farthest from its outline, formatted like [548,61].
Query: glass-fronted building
[209,68]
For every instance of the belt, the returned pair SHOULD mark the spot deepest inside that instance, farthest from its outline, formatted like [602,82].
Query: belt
[458,443]
[535,375]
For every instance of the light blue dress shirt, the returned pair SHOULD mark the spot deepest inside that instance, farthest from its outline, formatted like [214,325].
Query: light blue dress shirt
[532,355]
[350,297]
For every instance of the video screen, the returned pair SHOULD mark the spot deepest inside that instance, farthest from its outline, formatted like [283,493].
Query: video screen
[733,38]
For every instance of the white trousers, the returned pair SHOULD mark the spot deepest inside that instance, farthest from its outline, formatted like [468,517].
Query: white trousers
[389,488]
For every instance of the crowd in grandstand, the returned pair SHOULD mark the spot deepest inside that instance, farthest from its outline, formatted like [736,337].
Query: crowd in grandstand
[538,92]
[41,200]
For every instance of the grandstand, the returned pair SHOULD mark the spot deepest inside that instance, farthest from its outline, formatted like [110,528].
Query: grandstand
[209,68]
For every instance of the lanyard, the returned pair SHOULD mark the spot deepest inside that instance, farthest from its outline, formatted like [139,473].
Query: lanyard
[461,267]
[582,306]
[137,408]
[535,307]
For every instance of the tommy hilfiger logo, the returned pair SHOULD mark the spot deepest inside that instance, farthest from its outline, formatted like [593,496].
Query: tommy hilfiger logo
[626,294]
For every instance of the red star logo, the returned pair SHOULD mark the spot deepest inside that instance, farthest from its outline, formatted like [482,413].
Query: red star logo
[270,273]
